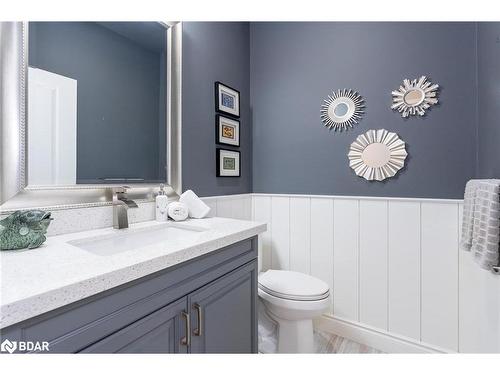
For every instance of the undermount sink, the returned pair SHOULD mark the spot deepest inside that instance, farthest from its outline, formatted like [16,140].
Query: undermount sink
[122,240]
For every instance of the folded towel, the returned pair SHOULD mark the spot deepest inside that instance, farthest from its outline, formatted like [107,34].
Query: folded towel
[481,222]
[197,208]
[177,211]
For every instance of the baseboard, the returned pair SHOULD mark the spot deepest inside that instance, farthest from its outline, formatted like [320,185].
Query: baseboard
[382,340]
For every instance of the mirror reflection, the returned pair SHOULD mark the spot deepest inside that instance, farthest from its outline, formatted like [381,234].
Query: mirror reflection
[96,102]
[376,155]
[341,109]
[414,97]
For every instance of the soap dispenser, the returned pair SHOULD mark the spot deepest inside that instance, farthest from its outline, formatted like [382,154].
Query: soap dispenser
[161,205]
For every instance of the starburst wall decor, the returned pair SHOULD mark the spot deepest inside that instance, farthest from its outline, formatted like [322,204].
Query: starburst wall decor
[377,155]
[414,97]
[342,109]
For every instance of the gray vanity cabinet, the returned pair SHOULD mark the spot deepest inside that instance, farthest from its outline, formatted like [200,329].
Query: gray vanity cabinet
[204,305]
[222,318]
[159,332]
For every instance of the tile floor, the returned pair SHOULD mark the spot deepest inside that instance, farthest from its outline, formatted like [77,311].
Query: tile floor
[325,342]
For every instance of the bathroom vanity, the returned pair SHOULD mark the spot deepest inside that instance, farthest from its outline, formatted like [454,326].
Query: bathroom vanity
[152,288]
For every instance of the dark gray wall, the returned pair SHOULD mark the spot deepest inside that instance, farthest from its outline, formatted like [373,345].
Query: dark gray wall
[294,66]
[488,52]
[213,51]
[119,99]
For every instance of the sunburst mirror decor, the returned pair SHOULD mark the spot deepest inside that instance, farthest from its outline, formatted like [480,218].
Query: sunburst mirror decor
[414,97]
[342,109]
[377,155]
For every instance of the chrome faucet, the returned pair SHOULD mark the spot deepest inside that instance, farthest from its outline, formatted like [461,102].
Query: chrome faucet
[121,204]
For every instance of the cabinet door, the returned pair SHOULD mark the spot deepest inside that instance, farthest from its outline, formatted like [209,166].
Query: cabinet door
[158,332]
[223,313]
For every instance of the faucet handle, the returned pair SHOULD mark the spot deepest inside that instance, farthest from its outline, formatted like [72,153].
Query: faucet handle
[120,189]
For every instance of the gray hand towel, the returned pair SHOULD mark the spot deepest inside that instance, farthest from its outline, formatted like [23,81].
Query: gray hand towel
[481,222]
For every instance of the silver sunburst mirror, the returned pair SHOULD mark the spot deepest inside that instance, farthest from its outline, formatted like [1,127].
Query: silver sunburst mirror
[342,109]
[414,97]
[377,155]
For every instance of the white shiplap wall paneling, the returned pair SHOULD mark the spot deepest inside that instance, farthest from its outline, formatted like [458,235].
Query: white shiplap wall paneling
[300,235]
[373,263]
[404,269]
[238,208]
[479,306]
[346,259]
[322,242]
[225,208]
[262,212]
[235,207]
[280,233]
[247,208]
[439,274]
[212,203]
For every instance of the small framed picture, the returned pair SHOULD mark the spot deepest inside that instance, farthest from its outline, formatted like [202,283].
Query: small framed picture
[227,100]
[227,131]
[228,163]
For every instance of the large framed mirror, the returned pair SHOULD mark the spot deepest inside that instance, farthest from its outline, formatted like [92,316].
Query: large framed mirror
[88,106]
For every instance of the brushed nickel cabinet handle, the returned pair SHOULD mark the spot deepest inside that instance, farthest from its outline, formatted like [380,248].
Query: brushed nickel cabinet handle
[198,331]
[186,340]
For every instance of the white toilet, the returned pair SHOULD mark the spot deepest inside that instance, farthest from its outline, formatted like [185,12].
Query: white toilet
[293,300]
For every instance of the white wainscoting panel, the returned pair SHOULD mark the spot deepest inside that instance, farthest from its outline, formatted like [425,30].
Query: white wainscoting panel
[479,306]
[238,206]
[373,263]
[439,275]
[300,235]
[346,259]
[404,268]
[322,242]
[393,266]
[262,212]
[280,233]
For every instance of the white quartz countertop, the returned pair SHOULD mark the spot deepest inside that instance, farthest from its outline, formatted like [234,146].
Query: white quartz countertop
[59,273]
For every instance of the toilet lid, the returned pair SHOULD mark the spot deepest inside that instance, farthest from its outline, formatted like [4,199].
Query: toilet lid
[293,285]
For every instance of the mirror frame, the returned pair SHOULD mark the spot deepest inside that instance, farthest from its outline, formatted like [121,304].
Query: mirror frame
[396,148]
[428,90]
[355,109]
[15,193]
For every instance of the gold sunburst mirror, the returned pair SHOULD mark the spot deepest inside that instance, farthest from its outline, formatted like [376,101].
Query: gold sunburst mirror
[342,109]
[377,155]
[415,97]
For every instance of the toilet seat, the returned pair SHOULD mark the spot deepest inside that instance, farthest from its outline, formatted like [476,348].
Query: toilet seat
[293,307]
[293,286]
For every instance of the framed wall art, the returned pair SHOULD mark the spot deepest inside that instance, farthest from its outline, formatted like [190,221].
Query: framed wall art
[228,163]
[227,99]
[227,131]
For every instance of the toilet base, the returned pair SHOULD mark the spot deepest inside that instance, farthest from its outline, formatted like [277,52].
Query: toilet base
[294,336]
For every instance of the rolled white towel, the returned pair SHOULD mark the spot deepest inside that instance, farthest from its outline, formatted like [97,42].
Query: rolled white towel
[197,208]
[178,211]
